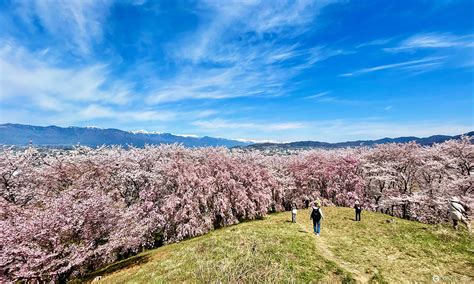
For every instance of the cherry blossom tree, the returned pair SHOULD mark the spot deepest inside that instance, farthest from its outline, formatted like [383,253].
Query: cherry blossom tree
[63,213]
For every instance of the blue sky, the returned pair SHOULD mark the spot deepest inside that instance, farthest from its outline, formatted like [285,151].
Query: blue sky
[255,70]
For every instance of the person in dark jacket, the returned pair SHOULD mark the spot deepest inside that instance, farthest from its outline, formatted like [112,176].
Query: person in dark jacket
[317,216]
[358,210]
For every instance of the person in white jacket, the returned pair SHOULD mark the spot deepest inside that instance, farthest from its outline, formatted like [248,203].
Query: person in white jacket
[294,211]
[458,213]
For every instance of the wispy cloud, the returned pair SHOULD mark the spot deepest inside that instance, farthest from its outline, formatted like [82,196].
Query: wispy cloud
[324,97]
[434,40]
[375,42]
[73,94]
[228,56]
[77,24]
[336,100]
[425,63]
[57,88]
[95,111]
[318,95]
[226,124]
[229,82]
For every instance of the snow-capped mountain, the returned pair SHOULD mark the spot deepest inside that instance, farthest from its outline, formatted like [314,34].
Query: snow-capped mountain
[20,135]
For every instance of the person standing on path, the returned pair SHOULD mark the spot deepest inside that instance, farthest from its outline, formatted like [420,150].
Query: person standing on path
[293,214]
[457,212]
[358,210]
[317,216]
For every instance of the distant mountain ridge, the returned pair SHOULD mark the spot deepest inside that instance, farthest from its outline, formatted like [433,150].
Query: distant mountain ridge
[427,141]
[54,136]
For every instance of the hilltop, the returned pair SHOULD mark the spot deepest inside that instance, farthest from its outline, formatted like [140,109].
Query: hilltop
[275,250]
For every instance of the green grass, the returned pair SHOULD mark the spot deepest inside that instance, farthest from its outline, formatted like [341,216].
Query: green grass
[398,251]
[275,250]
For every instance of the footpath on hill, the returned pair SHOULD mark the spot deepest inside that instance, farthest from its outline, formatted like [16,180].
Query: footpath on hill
[328,254]
[276,250]
[383,248]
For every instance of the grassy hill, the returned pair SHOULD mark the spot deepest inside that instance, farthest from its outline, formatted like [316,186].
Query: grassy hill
[275,250]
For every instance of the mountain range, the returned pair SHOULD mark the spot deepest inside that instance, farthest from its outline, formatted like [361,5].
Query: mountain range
[54,136]
[427,141]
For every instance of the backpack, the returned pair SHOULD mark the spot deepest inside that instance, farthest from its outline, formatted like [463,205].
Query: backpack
[316,214]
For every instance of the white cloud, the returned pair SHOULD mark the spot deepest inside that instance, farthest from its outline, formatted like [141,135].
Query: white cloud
[375,42]
[77,23]
[323,97]
[270,17]
[336,100]
[318,95]
[286,126]
[434,40]
[226,20]
[202,113]
[56,88]
[94,111]
[69,94]
[72,94]
[425,63]
[237,61]
[225,124]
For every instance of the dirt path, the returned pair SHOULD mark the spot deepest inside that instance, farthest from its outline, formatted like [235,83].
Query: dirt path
[324,248]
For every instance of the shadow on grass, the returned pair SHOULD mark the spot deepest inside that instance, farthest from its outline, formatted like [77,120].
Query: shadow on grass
[126,263]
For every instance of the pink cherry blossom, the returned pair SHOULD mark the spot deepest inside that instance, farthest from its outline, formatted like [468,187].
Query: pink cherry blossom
[63,213]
